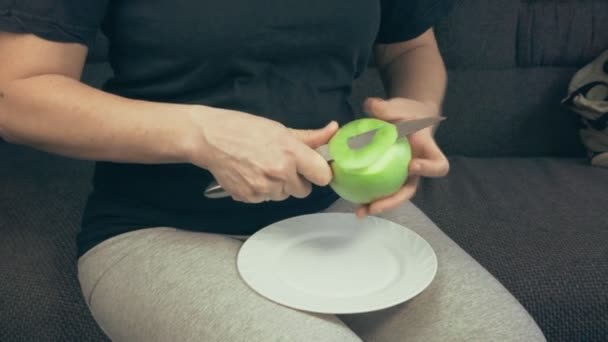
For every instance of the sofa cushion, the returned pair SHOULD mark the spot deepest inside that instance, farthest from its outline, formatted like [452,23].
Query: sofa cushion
[565,33]
[510,64]
[500,34]
[41,197]
[540,226]
[479,34]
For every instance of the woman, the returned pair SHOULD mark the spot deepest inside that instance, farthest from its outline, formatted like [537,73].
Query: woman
[242,92]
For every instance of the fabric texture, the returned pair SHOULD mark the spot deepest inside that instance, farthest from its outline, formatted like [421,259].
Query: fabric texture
[405,20]
[537,224]
[71,21]
[41,199]
[561,33]
[480,34]
[588,96]
[202,297]
[498,34]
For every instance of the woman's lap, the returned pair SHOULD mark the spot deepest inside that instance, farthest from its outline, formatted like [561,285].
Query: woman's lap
[463,303]
[164,284]
[184,286]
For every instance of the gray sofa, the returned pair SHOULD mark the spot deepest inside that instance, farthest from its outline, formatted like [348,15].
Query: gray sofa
[520,198]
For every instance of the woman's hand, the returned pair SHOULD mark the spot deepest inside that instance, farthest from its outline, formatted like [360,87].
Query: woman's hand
[256,159]
[427,158]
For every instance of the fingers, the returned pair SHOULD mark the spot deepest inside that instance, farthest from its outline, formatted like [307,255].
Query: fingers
[429,160]
[362,211]
[274,189]
[406,193]
[391,202]
[262,190]
[277,193]
[433,168]
[383,110]
[378,108]
[397,109]
[297,186]
[312,166]
[281,169]
[278,190]
[285,181]
[314,138]
[309,163]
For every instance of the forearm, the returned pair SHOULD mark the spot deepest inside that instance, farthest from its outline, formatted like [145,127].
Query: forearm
[418,74]
[58,114]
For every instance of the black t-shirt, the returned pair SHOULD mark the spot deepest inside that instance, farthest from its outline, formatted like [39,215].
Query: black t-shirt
[289,60]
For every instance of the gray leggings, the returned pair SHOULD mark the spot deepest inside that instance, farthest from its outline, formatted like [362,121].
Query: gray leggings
[169,285]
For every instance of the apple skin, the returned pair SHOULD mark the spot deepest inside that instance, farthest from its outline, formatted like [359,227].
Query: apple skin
[382,178]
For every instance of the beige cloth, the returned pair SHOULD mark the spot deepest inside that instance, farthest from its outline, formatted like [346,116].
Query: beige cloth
[165,284]
[588,97]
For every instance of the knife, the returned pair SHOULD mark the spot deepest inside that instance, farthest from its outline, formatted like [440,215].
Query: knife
[404,128]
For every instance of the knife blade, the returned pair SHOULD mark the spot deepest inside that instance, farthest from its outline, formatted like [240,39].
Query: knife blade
[404,128]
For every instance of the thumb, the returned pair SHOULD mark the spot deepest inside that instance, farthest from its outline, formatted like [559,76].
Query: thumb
[316,137]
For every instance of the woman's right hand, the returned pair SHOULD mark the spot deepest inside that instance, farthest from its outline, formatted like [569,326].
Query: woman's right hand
[256,159]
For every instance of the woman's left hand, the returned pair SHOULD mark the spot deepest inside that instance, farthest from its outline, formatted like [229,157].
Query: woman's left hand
[427,158]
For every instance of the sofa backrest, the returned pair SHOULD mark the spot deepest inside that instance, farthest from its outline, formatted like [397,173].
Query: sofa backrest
[509,62]
[527,33]
[509,65]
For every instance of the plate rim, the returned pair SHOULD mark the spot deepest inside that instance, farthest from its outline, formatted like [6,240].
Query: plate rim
[369,308]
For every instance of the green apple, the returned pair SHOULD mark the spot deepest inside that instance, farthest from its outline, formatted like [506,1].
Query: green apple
[376,170]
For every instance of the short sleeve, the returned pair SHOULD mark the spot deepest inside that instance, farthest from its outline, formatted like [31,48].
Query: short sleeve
[72,21]
[402,20]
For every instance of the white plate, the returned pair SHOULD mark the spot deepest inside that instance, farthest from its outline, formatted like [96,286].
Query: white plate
[336,263]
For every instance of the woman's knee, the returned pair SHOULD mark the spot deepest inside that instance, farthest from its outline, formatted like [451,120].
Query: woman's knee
[185,287]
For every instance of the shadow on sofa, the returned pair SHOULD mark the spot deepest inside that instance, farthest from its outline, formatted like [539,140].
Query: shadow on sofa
[520,198]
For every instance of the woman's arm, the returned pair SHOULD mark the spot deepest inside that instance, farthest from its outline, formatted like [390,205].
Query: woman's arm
[44,105]
[415,79]
[414,70]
